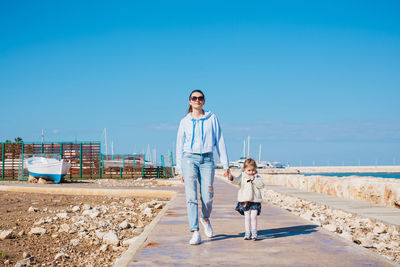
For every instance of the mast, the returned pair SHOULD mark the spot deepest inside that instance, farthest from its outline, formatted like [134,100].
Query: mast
[105,139]
[244,148]
[248,146]
[42,135]
[259,154]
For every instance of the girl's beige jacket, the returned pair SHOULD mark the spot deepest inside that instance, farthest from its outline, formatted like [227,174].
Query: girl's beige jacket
[249,190]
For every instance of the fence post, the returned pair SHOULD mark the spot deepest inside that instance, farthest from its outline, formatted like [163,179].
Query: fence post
[80,161]
[22,161]
[144,165]
[163,164]
[3,159]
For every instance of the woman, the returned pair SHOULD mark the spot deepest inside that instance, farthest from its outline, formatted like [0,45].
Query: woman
[198,134]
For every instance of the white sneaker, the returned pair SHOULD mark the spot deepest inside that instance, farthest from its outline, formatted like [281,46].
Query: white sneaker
[207,228]
[196,239]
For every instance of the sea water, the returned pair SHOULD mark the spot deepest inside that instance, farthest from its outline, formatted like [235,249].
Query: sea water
[395,175]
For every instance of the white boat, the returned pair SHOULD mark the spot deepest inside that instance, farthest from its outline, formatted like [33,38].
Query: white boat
[47,167]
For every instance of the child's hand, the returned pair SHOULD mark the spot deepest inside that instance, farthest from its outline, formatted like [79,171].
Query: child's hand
[228,174]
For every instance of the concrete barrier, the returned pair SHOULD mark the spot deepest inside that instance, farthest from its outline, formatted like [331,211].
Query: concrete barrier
[380,191]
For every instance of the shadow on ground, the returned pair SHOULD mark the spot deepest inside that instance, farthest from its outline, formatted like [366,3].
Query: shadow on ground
[274,233]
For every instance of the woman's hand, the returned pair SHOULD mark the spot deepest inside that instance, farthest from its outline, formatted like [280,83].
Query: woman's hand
[228,174]
[181,178]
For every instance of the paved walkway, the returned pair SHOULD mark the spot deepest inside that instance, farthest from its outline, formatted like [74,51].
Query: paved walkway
[285,240]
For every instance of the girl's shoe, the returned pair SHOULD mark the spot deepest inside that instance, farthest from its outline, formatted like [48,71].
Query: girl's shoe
[196,239]
[247,236]
[254,235]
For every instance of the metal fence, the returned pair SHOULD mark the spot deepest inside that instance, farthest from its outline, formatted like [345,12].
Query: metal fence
[87,161]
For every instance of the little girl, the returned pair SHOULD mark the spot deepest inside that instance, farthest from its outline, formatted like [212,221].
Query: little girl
[249,197]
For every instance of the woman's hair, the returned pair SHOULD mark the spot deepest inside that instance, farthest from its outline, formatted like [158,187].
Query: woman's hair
[249,162]
[190,96]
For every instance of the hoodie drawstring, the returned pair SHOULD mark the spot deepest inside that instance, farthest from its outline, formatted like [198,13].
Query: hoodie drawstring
[194,126]
[202,134]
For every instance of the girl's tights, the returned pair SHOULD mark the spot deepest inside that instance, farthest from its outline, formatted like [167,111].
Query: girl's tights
[250,220]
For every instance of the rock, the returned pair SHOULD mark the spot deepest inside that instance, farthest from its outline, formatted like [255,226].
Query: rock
[21,233]
[6,234]
[128,242]
[330,227]
[365,242]
[41,221]
[99,234]
[91,213]
[33,209]
[381,246]
[116,248]
[148,212]
[103,224]
[128,202]
[347,235]
[37,231]
[74,242]
[75,209]
[307,215]
[54,235]
[379,229]
[111,238]
[103,248]
[158,206]
[61,255]
[62,215]
[124,225]
[86,207]
[64,228]
[25,255]
[24,262]
[43,181]
[137,231]
[32,179]
[395,244]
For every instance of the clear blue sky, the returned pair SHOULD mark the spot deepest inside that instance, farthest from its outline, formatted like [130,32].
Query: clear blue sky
[309,80]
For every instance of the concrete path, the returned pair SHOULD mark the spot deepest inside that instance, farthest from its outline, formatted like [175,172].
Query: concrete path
[285,240]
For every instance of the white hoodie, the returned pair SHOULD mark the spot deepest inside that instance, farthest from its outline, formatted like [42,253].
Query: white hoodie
[200,136]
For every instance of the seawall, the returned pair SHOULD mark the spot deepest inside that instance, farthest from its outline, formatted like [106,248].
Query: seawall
[380,191]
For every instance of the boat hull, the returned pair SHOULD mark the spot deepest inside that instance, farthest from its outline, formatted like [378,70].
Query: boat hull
[52,169]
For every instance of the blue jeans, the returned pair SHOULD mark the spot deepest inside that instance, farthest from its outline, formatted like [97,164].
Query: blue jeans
[198,168]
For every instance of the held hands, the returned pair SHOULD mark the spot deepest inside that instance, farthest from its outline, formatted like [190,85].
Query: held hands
[228,174]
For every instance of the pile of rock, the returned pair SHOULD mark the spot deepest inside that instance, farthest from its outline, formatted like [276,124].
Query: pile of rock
[381,238]
[86,235]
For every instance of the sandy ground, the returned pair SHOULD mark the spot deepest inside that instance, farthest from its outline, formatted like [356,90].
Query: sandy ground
[91,249]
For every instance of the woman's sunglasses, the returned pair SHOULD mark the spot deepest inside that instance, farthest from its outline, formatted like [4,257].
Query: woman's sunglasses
[195,98]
